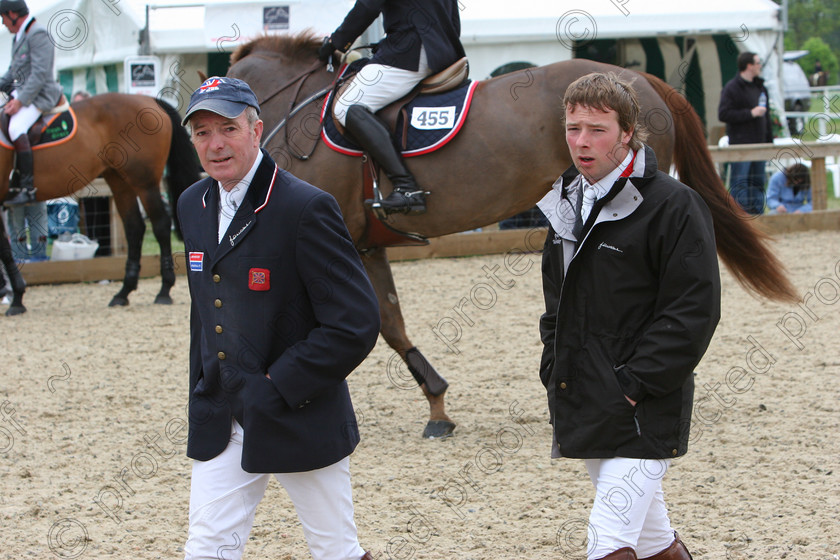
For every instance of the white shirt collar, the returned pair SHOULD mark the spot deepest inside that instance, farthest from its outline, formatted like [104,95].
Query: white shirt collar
[22,31]
[603,186]
[230,201]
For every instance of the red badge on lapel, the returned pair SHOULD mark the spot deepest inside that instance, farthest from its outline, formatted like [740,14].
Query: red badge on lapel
[259,279]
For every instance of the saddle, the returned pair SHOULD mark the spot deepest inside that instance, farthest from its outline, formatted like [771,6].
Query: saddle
[396,115]
[58,123]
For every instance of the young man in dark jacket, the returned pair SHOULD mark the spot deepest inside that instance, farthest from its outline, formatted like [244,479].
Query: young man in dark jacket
[744,109]
[632,294]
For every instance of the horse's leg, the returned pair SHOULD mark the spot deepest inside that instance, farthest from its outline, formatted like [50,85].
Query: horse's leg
[162,228]
[393,330]
[16,281]
[135,228]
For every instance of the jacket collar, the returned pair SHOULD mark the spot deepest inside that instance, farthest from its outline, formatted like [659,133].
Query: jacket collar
[621,200]
[259,192]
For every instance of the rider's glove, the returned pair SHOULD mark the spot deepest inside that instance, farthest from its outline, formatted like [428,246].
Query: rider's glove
[326,51]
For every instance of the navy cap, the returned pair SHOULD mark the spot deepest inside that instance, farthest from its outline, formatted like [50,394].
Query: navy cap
[224,96]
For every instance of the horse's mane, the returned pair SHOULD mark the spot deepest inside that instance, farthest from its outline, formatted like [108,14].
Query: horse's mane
[303,44]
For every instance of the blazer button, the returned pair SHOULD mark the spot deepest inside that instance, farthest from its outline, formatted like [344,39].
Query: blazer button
[217,303]
[674,452]
[563,385]
[217,278]
[219,329]
[221,355]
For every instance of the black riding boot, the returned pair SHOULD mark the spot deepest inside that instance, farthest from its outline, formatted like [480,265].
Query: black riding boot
[26,194]
[373,135]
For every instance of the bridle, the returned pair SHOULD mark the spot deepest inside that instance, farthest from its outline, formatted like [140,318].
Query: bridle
[293,109]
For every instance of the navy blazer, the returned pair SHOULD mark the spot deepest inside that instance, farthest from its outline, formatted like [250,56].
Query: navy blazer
[434,24]
[284,293]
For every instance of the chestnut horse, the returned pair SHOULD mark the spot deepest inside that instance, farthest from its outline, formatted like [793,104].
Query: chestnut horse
[128,140]
[505,158]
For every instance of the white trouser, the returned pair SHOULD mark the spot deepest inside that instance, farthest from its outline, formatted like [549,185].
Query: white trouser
[223,499]
[629,508]
[20,122]
[377,85]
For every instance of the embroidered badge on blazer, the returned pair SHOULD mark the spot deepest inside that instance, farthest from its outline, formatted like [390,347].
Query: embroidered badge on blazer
[259,279]
[196,261]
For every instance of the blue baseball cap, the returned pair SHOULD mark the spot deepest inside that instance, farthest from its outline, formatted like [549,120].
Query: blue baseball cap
[224,96]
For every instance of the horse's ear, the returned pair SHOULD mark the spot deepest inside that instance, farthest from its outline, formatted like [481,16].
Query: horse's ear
[202,76]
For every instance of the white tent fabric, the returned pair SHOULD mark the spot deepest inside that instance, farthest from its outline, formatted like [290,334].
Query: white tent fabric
[93,37]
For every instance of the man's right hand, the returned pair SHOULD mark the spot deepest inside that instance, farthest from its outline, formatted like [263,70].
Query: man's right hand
[326,51]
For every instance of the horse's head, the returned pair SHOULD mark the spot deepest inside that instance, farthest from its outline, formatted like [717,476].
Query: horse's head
[273,58]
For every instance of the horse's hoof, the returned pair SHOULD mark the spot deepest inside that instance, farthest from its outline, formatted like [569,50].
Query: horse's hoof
[163,300]
[438,429]
[15,310]
[118,301]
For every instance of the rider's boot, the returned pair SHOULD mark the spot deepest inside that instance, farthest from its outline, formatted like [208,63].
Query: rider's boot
[369,131]
[23,151]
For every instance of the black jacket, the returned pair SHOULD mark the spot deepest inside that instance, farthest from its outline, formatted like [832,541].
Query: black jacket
[736,101]
[434,24]
[632,315]
[284,293]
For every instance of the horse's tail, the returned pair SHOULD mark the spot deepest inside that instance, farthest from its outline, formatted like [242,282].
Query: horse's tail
[182,168]
[743,248]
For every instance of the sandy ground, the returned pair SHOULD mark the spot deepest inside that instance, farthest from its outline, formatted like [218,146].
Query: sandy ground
[92,430]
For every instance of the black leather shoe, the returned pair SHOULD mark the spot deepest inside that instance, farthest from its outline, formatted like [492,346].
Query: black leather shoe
[404,202]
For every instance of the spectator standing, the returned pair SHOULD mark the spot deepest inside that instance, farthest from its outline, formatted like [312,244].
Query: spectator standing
[744,108]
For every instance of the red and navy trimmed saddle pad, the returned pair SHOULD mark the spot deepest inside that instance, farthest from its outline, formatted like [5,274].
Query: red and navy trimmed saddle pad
[427,122]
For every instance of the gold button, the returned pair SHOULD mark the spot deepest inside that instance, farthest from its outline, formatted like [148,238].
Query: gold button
[219,329]
[221,355]
[217,278]
[563,385]
[217,303]
[674,452]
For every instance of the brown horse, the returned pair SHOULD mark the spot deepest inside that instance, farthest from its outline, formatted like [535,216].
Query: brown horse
[505,158]
[128,140]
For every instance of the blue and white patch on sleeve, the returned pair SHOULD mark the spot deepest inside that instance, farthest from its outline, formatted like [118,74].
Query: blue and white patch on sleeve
[196,261]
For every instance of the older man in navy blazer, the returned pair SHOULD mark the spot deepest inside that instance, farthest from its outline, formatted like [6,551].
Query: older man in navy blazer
[282,312]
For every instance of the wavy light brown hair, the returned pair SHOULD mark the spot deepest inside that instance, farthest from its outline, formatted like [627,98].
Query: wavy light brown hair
[608,92]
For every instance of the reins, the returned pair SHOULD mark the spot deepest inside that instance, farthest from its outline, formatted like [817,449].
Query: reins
[293,110]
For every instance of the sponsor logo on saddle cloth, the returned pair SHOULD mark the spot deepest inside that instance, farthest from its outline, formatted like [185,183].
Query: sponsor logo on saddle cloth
[50,129]
[433,120]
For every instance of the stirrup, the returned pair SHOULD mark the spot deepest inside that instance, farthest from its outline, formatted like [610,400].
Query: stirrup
[21,197]
[411,203]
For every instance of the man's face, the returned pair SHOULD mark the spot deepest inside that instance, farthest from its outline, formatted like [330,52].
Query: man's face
[7,21]
[226,147]
[754,69]
[596,142]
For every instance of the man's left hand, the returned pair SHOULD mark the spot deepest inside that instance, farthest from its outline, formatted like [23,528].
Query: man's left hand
[12,107]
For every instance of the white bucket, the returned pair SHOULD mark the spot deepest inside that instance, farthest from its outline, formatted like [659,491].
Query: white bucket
[77,247]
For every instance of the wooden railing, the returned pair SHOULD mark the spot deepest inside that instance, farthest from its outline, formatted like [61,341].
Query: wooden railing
[780,156]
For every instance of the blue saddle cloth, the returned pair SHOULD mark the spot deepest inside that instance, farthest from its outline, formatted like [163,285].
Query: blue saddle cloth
[424,124]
